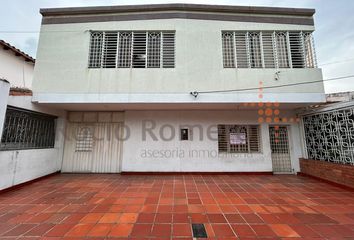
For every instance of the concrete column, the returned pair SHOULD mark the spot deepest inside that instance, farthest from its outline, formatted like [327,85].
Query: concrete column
[60,140]
[4,95]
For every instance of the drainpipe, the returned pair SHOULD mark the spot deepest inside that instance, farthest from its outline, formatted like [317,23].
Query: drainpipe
[4,95]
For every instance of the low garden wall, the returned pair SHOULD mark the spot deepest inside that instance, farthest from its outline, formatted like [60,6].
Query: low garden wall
[333,172]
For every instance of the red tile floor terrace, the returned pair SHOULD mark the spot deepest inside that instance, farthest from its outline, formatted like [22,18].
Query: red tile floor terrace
[163,207]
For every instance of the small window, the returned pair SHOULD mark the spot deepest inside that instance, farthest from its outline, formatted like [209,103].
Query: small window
[184,134]
[239,139]
[84,141]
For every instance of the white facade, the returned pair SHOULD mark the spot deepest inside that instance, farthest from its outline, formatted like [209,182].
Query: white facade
[162,96]
[63,76]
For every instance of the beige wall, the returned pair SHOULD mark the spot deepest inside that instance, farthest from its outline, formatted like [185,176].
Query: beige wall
[62,58]
[15,69]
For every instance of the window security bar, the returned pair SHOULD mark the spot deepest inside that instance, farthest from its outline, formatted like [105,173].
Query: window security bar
[24,129]
[127,49]
[266,49]
[239,139]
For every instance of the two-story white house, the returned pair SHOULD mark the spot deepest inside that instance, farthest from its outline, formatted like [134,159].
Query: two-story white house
[179,87]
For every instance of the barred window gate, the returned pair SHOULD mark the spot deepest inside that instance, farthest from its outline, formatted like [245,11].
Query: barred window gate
[268,49]
[239,139]
[330,136]
[132,49]
[24,129]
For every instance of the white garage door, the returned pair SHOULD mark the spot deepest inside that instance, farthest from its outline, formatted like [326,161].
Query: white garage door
[93,143]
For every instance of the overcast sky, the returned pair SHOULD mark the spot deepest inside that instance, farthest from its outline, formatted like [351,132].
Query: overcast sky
[334,36]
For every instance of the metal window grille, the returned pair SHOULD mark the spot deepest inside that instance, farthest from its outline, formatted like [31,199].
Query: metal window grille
[309,50]
[110,49]
[114,49]
[139,50]
[279,142]
[242,55]
[268,52]
[96,45]
[297,49]
[228,49]
[282,49]
[124,50]
[255,51]
[84,140]
[249,139]
[330,136]
[25,129]
[265,49]
[154,50]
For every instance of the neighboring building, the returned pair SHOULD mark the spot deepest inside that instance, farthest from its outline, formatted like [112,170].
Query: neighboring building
[146,87]
[31,140]
[16,66]
[340,97]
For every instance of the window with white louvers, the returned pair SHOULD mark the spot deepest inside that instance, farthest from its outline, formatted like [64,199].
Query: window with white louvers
[239,139]
[281,44]
[128,49]
[268,49]
[109,49]
[168,49]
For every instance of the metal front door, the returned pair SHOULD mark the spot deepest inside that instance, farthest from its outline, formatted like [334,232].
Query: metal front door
[279,144]
[93,147]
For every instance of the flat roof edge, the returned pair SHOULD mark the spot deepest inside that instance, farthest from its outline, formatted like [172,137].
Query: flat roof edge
[177,7]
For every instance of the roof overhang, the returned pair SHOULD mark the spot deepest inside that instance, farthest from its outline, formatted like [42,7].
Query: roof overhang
[18,52]
[299,16]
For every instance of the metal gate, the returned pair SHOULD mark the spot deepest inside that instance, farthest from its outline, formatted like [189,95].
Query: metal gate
[279,144]
[93,146]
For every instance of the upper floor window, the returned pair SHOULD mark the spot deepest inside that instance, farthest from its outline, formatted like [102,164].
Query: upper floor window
[126,49]
[265,49]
